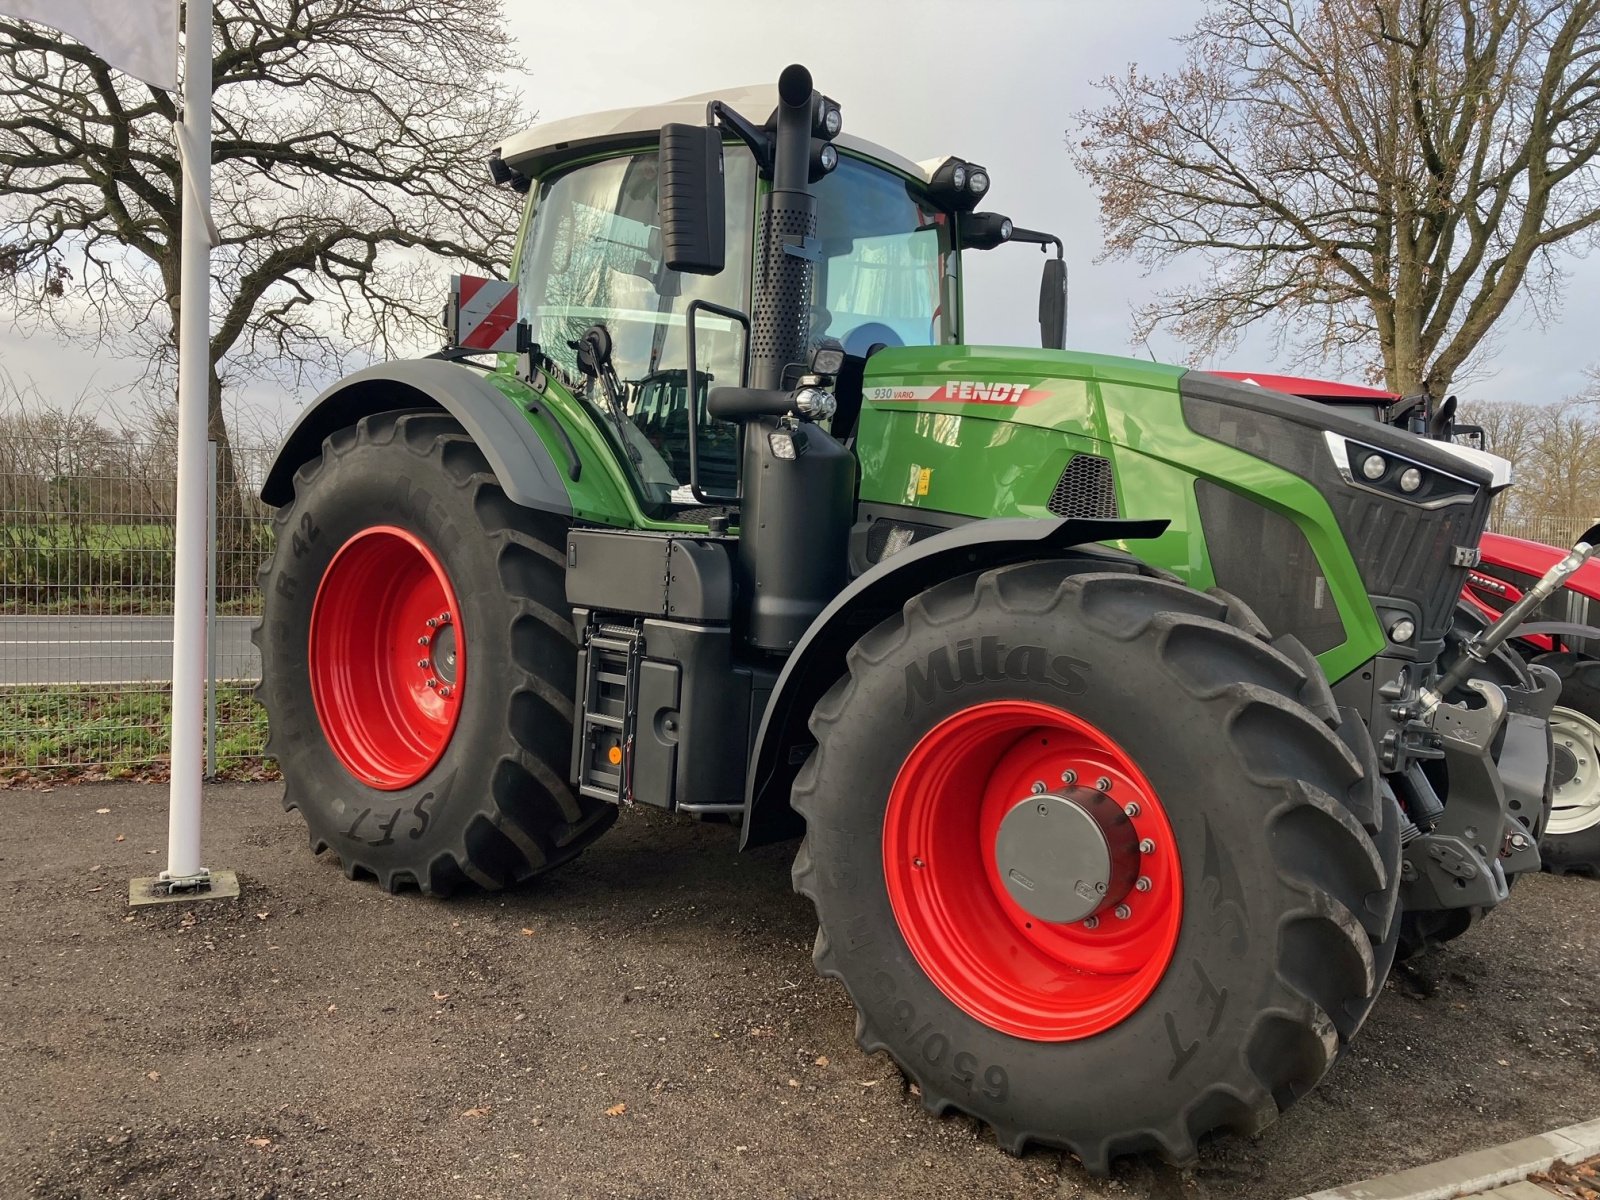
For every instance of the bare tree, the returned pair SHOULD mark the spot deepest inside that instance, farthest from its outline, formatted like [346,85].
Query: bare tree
[1377,178]
[349,148]
[1555,447]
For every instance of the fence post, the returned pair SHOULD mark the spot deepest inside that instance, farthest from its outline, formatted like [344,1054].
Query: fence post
[211,609]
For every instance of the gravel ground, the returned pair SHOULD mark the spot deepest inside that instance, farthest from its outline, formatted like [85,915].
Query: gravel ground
[645,1023]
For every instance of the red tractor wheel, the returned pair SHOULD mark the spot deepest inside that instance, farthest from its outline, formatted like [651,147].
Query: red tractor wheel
[1098,862]
[1571,843]
[418,661]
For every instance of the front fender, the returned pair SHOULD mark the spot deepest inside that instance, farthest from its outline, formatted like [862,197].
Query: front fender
[524,467]
[819,658]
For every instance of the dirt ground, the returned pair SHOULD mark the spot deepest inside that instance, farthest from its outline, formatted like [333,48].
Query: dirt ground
[645,1023]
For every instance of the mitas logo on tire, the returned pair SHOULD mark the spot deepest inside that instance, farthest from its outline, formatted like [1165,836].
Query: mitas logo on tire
[988,659]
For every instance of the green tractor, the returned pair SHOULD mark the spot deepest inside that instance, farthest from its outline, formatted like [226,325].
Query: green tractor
[1118,705]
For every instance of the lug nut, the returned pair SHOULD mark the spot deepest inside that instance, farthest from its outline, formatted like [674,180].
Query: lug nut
[1091,922]
[432,682]
[1102,784]
[423,663]
[1122,912]
[918,863]
[422,641]
[431,623]
[1143,884]
[1038,786]
[1147,847]
[445,692]
[1069,777]
[1131,809]
[444,618]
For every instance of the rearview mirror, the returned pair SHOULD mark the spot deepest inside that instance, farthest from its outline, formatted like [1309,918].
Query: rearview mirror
[691,199]
[1053,305]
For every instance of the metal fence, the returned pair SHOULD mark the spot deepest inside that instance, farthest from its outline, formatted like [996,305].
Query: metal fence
[86,587]
[1553,531]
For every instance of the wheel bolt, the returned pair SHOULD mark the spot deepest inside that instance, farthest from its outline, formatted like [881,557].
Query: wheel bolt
[1069,777]
[444,618]
[432,682]
[1044,810]
[423,640]
[1038,786]
[1131,809]
[431,623]
[1143,883]
[1102,784]
[1147,846]
[423,663]
[445,692]
[918,863]
[1091,922]
[1122,912]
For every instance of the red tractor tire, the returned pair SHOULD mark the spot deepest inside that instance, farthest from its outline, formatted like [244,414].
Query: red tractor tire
[418,659]
[1211,992]
[1571,842]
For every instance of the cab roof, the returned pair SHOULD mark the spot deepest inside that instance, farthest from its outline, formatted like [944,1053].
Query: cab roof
[535,151]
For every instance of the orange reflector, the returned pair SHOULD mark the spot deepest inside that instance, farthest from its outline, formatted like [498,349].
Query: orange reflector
[615,755]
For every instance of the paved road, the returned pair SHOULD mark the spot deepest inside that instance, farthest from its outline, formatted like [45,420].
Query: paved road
[643,1024]
[87,649]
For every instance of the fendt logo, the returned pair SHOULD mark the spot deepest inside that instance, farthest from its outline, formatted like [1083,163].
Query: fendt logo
[963,391]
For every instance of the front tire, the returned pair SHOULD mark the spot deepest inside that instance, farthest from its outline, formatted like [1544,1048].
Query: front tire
[1233,980]
[418,660]
[1571,843]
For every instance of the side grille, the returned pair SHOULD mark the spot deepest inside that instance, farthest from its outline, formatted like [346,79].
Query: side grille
[1087,488]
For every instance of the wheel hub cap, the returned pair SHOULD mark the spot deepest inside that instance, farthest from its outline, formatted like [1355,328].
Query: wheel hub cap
[1064,856]
[387,657]
[1576,804]
[1042,907]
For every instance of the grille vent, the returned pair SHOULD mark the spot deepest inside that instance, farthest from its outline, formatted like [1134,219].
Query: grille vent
[1087,488]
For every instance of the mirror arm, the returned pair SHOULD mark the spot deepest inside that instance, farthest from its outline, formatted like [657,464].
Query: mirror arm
[759,140]
[1038,238]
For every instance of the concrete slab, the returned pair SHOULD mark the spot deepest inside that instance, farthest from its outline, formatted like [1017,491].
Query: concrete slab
[149,890]
[1469,1174]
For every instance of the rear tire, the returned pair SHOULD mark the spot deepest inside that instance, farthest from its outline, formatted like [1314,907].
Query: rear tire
[436,781]
[1571,843]
[1287,859]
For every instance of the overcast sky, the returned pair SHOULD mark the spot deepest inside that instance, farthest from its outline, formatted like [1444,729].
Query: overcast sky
[994,82]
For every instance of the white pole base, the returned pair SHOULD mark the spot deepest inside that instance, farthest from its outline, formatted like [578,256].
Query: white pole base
[161,889]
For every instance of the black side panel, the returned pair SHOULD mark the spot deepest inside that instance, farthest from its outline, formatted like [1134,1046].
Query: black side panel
[1264,559]
[818,659]
[1404,551]
[520,461]
[650,574]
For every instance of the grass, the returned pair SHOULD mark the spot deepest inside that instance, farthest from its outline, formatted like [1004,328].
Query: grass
[68,733]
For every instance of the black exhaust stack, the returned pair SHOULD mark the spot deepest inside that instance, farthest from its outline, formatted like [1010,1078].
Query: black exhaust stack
[796,511]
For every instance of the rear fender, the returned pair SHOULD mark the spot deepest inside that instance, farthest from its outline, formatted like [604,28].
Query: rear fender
[522,464]
[783,740]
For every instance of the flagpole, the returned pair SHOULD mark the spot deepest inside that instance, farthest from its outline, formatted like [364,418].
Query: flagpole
[194,348]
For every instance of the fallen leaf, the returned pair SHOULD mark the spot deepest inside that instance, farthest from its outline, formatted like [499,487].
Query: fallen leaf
[102,811]
[152,1076]
[870,1082]
[794,1083]
[916,1089]
[477,1112]
[258,1143]
[822,1060]
[616,1110]
[332,1008]
[441,997]
[122,837]
[263,914]
[527,932]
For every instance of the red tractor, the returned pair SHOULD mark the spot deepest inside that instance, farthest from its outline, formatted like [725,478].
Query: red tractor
[1562,636]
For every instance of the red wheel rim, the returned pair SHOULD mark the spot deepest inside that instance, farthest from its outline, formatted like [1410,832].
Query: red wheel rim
[388,657]
[1014,972]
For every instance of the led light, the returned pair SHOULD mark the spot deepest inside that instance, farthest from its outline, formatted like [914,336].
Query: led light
[1410,479]
[827,358]
[782,445]
[829,157]
[832,121]
[813,404]
[978,182]
[1373,466]
[1005,230]
[958,177]
[1402,630]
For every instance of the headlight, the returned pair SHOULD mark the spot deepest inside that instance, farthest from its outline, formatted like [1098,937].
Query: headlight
[958,177]
[978,181]
[814,404]
[1373,466]
[1410,479]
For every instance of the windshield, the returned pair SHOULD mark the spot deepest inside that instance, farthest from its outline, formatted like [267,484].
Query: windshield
[592,256]
[886,267]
